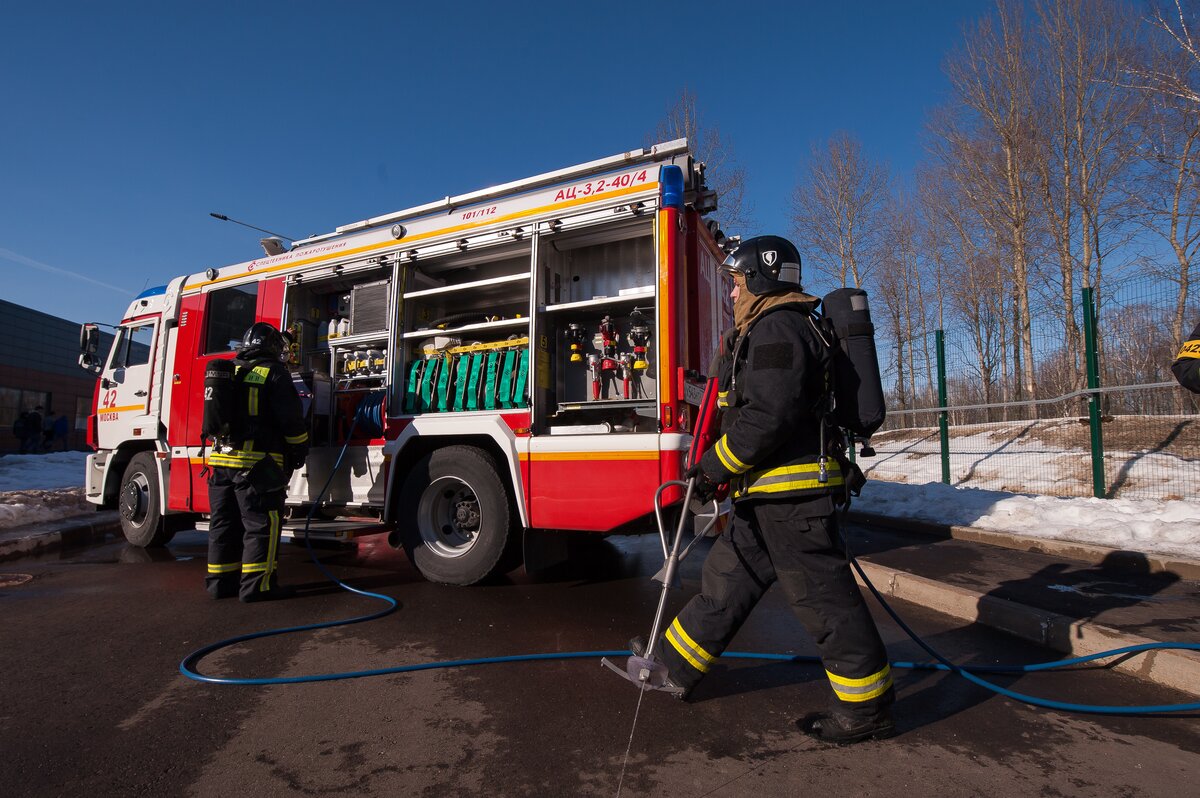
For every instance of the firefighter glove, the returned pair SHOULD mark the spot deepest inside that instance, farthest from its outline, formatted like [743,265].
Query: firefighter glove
[705,490]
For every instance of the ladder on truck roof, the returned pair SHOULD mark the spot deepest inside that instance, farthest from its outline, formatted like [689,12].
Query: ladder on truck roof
[630,158]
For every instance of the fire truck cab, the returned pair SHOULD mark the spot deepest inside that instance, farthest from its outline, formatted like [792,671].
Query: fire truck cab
[524,357]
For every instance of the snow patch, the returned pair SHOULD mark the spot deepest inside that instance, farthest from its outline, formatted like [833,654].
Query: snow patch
[1163,528]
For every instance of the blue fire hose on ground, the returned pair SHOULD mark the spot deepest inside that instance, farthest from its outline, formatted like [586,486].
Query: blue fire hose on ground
[368,413]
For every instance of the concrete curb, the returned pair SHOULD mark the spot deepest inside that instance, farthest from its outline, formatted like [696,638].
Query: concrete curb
[1089,554]
[1179,670]
[74,531]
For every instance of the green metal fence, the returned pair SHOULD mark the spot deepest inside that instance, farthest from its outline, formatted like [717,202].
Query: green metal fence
[1096,413]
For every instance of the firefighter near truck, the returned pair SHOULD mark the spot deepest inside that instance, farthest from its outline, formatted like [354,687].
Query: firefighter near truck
[519,360]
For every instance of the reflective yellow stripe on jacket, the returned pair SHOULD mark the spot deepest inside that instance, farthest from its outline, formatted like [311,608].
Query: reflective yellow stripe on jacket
[241,458]
[728,458]
[257,376]
[802,477]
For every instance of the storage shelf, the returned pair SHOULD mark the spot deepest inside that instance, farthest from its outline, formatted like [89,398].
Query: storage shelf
[446,289]
[347,384]
[358,339]
[483,325]
[604,300]
[603,404]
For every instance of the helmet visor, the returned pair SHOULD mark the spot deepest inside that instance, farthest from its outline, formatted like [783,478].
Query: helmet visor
[729,266]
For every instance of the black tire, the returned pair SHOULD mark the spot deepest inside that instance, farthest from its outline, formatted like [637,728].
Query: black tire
[454,516]
[138,502]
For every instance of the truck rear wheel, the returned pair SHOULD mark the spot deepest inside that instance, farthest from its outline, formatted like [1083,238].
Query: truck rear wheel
[454,516]
[138,502]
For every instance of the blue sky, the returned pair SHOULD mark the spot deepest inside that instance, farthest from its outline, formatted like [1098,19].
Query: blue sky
[124,124]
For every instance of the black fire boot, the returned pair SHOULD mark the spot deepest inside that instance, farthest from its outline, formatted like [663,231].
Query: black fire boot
[222,588]
[638,646]
[276,593]
[838,728]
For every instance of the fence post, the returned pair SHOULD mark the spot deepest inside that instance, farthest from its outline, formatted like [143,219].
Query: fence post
[1099,486]
[939,339]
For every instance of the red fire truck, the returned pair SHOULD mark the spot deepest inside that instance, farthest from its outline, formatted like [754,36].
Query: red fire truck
[518,359]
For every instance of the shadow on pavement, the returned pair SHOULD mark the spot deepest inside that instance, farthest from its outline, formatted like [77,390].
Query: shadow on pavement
[1123,579]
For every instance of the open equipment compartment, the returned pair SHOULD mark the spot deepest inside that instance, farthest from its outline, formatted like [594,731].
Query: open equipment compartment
[597,304]
[466,331]
[466,340]
[340,326]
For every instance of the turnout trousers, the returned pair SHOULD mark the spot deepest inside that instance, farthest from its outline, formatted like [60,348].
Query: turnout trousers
[243,534]
[776,541]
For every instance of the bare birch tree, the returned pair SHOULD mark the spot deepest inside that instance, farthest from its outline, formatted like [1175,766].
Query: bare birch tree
[991,145]
[905,257]
[835,209]
[1178,22]
[971,281]
[1166,192]
[890,289]
[1088,121]
[721,169]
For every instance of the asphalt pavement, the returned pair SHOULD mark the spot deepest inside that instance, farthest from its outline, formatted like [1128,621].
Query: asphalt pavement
[93,637]
[1074,599]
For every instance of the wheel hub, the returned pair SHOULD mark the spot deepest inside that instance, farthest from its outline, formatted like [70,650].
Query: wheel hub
[449,516]
[134,500]
[466,515]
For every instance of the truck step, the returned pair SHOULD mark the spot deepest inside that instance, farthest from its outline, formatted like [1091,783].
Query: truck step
[340,529]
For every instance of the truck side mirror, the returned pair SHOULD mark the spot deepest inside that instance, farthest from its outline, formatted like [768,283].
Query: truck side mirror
[89,339]
[89,346]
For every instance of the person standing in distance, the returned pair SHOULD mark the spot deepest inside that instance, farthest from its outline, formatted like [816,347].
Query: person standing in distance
[33,432]
[772,372]
[250,472]
[1186,367]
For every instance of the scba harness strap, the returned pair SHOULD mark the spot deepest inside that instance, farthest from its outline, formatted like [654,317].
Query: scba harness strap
[830,468]
[232,393]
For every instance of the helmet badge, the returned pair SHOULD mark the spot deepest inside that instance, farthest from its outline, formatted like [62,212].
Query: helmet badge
[769,257]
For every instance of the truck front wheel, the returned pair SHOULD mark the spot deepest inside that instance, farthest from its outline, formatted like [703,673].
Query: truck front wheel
[454,516]
[138,504]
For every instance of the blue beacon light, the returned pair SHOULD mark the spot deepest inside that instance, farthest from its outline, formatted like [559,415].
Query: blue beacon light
[671,180]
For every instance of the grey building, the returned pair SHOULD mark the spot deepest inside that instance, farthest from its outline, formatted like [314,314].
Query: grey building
[39,368]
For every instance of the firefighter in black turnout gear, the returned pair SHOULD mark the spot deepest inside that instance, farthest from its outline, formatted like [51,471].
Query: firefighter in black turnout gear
[251,465]
[784,479]
[1187,363]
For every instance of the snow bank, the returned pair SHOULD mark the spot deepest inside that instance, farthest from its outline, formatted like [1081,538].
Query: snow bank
[42,471]
[21,507]
[36,488]
[1165,528]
